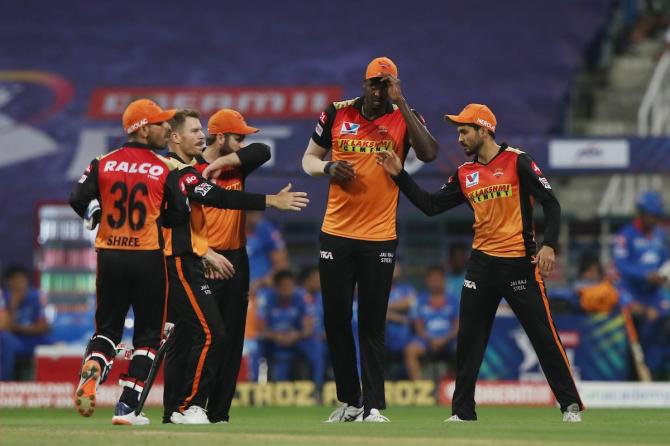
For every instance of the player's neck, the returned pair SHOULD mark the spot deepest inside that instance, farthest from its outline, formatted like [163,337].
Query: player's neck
[488,151]
[211,153]
[186,158]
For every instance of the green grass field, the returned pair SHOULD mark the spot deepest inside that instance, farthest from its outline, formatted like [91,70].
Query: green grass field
[303,426]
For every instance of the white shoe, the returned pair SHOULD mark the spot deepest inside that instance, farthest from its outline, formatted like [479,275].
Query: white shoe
[455,419]
[572,414]
[375,417]
[344,414]
[192,415]
[124,415]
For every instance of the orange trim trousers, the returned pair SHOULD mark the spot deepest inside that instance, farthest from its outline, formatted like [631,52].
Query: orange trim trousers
[487,281]
[195,354]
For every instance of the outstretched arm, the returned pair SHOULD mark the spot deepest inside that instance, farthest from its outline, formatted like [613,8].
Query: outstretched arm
[429,203]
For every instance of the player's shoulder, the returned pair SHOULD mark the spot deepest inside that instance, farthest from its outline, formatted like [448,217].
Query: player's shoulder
[514,150]
[465,165]
[109,154]
[171,163]
[344,104]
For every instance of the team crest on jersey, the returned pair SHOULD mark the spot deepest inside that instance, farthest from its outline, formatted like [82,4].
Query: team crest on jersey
[472,179]
[498,172]
[203,188]
[349,128]
[381,129]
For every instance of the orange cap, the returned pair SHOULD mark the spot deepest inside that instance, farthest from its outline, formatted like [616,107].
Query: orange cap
[142,112]
[227,120]
[381,66]
[478,114]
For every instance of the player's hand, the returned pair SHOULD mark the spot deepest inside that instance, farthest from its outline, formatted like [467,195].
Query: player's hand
[219,266]
[545,260]
[390,162]
[287,200]
[92,215]
[393,88]
[342,171]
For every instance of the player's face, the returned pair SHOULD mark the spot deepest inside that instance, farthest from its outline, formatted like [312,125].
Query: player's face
[470,139]
[158,134]
[376,94]
[191,136]
[232,143]
[435,282]
[285,288]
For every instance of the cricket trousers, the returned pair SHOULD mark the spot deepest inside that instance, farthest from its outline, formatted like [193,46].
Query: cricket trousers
[194,355]
[232,299]
[344,264]
[488,279]
[129,279]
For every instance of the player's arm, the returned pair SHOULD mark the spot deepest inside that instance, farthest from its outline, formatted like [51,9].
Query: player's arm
[247,159]
[423,143]
[86,190]
[313,161]
[198,189]
[532,179]
[447,197]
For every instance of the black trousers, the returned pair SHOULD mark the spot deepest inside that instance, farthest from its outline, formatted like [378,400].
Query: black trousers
[128,279]
[232,299]
[194,355]
[488,279]
[344,264]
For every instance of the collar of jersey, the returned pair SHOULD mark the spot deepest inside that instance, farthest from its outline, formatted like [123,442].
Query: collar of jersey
[358,105]
[503,146]
[139,145]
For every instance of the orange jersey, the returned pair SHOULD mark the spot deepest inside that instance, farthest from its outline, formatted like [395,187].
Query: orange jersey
[225,227]
[191,237]
[130,185]
[501,194]
[365,207]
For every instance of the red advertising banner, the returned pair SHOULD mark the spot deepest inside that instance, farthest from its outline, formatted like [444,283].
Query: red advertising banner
[252,102]
[507,393]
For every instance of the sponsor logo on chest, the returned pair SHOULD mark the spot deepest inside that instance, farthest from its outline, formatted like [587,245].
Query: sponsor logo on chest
[471,179]
[349,128]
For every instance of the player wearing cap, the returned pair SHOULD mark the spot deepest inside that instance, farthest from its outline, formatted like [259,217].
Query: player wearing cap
[199,326]
[132,185]
[500,185]
[227,130]
[358,236]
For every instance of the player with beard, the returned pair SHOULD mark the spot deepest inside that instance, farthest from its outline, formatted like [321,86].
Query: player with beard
[227,131]
[194,357]
[500,184]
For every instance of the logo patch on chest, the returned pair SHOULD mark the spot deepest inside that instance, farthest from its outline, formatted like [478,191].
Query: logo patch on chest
[490,193]
[349,128]
[472,179]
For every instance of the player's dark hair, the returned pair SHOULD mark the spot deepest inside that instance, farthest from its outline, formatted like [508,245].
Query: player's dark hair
[434,269]
[587,260]
[179,118]
[477,127]
[13,270]
[282,275]
[210,139]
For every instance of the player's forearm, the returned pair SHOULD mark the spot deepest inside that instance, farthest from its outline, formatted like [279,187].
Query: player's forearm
[313,165]
[423,142]
[552,218]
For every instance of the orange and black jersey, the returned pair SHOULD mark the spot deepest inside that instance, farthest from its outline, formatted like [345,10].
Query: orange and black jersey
[133,185]
[225,227]
[501,193]
[191,235]
[365,207]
